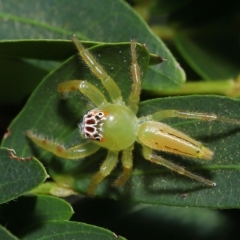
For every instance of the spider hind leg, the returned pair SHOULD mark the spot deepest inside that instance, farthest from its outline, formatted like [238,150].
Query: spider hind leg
[149,155]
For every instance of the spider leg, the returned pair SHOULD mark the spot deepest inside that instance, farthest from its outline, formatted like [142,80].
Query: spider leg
[105,169]
[89,90]
[136,78]
[158,116]
[79,151]
[127,162]
[149,155]
[99,72]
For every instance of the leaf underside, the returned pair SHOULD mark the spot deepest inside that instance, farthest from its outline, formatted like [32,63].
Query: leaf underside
[46,20]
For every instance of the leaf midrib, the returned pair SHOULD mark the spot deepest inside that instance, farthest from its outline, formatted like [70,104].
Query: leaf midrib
[39,24]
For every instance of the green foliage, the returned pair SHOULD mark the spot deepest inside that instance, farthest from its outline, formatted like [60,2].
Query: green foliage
[35,45]
[206,34]
[46,20]
[69,230]
[18,176]
[149,184]
[5,234]
[38,217]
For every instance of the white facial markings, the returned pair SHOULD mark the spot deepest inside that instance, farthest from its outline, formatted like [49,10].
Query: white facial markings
[91,126]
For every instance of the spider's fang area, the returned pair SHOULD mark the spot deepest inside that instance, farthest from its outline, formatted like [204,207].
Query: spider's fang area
[91,126]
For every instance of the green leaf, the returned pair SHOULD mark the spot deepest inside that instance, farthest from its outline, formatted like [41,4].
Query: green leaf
[68,230]
[58,119]
[44,49]
[11,69]
[210,59]
[18,176]
[116,60]
[49,50]
[144,220]
[28,210]
[6,235]
[112,21]
[154,184]
[158,185]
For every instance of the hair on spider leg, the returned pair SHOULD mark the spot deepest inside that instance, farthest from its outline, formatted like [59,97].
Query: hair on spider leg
[44,138]
[67,94]
[64,95]
[89,105]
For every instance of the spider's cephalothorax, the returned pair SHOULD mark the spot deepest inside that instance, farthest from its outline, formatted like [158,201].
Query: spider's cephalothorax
[115,127]
[101,125]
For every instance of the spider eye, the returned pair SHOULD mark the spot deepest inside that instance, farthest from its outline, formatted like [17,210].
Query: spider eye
[99,115]
[90,129]
[90,121]
[88,135]
[98,138]
[91,126]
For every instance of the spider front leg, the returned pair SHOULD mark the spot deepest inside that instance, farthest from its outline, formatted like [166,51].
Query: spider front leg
[89,90]
[149,155]
[99,72]
[127,163]
[79,151]
[134,97]
[105,169]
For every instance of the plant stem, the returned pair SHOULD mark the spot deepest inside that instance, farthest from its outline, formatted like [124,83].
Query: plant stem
[222,87]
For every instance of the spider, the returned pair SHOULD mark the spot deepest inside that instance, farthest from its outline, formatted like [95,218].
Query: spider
[115,127]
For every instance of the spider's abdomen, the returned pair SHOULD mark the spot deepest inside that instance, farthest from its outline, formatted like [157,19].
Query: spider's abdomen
[113,126]
[162,137]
